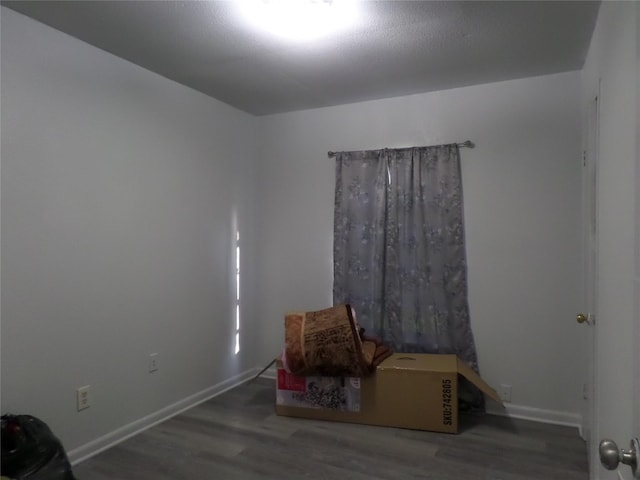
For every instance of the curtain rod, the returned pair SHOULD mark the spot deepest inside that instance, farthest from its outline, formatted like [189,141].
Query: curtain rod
[466,143]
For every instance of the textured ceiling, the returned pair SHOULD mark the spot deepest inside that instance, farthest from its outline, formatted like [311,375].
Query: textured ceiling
[396,47]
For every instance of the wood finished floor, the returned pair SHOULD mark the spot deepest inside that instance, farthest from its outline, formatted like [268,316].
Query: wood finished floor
[237,435]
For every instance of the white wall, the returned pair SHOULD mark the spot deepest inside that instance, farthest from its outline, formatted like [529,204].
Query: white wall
[613,59]
[120,195]
[522,206]
[121,192]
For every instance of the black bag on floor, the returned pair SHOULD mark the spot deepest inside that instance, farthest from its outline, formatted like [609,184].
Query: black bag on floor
[31,451]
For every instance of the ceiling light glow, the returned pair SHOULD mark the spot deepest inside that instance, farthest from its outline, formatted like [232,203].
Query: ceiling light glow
[300,19]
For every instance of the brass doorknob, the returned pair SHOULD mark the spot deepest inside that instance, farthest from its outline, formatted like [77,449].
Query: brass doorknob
[581,318]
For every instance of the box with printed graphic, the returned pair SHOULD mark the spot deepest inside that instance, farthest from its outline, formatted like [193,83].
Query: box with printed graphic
[416,391]
[332,393]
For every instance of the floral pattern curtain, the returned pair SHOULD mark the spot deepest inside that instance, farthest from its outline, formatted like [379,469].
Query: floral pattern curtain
[399,248]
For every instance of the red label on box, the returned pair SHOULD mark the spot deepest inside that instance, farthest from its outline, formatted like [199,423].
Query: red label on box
[288,381]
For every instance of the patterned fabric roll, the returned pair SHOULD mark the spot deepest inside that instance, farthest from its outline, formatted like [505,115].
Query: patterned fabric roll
[328,343]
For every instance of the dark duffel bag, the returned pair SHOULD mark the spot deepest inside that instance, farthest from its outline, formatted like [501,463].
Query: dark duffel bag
[31,451]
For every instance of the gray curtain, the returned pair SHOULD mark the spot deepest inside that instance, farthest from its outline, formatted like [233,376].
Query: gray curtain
[399,248]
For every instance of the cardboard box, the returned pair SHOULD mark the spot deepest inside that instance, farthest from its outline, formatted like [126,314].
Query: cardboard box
[416,391]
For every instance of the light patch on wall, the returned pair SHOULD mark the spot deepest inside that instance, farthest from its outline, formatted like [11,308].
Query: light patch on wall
[300,19]
[237,339]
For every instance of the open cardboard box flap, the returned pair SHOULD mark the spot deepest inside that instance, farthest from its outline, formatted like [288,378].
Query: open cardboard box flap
[438,363]
[467,372]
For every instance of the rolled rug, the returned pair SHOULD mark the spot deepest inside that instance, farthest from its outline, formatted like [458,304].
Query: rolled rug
[325,342]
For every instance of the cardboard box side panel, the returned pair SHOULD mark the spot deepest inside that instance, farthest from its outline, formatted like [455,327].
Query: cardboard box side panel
[331,393]
[320,414]
[418,400]
[467,372]
[394,398]
[362,419]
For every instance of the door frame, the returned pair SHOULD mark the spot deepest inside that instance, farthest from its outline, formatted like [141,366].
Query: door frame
[636,293]
[589,425]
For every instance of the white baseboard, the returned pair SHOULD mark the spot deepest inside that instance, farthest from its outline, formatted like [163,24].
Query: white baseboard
[537,415]
[100,444]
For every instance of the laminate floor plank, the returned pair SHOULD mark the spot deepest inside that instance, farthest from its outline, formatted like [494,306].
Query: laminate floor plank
[237,435]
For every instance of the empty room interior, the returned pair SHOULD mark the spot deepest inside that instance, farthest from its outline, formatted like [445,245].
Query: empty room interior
[174,178]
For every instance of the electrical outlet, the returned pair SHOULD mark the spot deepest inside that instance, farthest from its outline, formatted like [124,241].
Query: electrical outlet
[153,362]
[83,399]
[505,392]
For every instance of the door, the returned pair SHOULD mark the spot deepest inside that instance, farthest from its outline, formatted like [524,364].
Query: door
[617,359]
[624,457]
